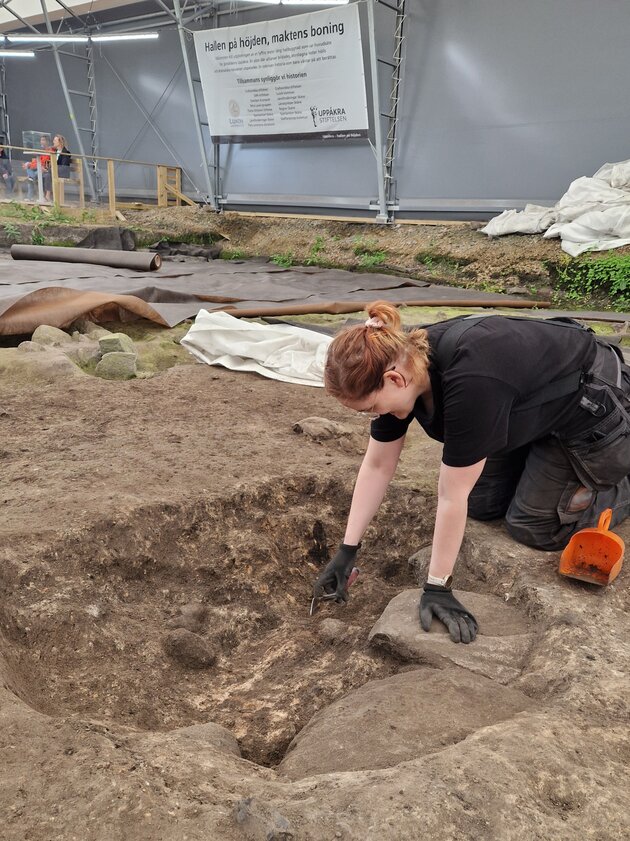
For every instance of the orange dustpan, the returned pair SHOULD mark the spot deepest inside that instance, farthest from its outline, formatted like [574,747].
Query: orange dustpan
[594,555]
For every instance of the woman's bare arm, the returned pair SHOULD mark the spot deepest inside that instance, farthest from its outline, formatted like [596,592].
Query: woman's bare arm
[376,472]
[454,487]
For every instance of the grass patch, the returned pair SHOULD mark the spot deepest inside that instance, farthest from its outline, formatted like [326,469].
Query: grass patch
[369,252]
[314,255]
[581,280]
[370,261]
[286,259]
[437,262]
[37,236]
[232,254]
[12,231]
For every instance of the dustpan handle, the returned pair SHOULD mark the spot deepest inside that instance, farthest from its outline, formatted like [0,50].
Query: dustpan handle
[604,519]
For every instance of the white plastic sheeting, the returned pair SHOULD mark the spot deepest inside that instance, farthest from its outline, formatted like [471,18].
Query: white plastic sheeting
[279,351]
[593,215]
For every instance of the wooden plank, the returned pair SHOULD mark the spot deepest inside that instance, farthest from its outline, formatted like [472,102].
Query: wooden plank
[162,195]
[81,185]
[179,195]
[111,187]
[134,205]
[54,176]
[356,220]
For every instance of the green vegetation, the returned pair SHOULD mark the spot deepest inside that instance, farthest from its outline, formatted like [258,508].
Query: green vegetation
[437,262]
[285,259]
[365,246]
[232,254]
[57,215]
[317,248]
[581,280]
[370,261]
[12,231]
[37,237]
[369,253]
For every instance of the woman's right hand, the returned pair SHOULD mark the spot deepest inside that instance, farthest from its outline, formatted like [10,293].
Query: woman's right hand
[333,581]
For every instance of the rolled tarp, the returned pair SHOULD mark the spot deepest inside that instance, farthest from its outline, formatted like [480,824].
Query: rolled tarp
[141,261]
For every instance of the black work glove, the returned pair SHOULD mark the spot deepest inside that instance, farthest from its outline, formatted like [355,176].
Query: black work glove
[440,602]
[335,575]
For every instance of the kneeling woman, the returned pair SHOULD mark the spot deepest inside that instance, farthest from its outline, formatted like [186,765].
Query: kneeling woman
[535,420]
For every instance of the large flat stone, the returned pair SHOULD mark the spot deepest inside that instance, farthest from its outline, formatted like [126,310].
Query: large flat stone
[499,651]
[397,719]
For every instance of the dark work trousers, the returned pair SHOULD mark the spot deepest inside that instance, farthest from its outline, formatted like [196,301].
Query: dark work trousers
[534,487]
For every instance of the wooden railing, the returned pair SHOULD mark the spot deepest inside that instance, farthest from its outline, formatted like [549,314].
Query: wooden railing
[168,190]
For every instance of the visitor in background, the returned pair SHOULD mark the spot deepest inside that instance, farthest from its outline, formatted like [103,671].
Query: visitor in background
[64,159]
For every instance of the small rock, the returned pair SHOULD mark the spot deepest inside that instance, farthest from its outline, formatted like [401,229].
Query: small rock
[517,290]
[189,649]
[30,347]
[210,734]
[89,328]
[321,429]
[50,336]
[117,366]
[116,343]
[82,353]
[333,630]
[192,617]
[260,822]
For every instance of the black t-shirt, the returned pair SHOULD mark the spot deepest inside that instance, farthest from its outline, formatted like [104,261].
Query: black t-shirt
[497,364]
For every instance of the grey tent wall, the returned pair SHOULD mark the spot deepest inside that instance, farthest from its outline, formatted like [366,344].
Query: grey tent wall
[502,103]
[505,103]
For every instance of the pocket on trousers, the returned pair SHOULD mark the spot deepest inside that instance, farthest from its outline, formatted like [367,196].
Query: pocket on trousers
[601,455]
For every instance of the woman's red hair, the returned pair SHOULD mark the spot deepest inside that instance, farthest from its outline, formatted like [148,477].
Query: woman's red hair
[358,357]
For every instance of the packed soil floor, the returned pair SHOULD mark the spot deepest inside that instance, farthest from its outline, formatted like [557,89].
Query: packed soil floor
[159,541]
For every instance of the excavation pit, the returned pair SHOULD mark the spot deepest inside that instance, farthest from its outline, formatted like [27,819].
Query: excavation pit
[177,615]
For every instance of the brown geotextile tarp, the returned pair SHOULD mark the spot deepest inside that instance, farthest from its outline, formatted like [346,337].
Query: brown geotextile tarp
[56,293]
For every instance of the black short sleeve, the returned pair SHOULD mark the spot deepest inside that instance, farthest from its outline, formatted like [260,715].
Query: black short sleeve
[387,428]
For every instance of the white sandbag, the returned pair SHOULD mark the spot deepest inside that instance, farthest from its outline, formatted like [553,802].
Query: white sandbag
[593,214]
[586,194]
[279,351]
[534,219]
[597,230]
[617,175]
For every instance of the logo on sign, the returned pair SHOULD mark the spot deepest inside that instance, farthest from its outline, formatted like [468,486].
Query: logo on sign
[235,112]
[326,116]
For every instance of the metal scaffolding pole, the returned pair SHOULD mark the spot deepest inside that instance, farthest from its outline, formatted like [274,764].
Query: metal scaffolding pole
[394,99]
[93,116]
[70,107]
[193,100]
[382,215]
[5,130]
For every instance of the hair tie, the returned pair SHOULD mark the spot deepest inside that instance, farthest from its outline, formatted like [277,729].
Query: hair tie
[374,322]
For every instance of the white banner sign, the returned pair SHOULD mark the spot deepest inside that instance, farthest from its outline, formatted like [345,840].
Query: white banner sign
[296,78]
